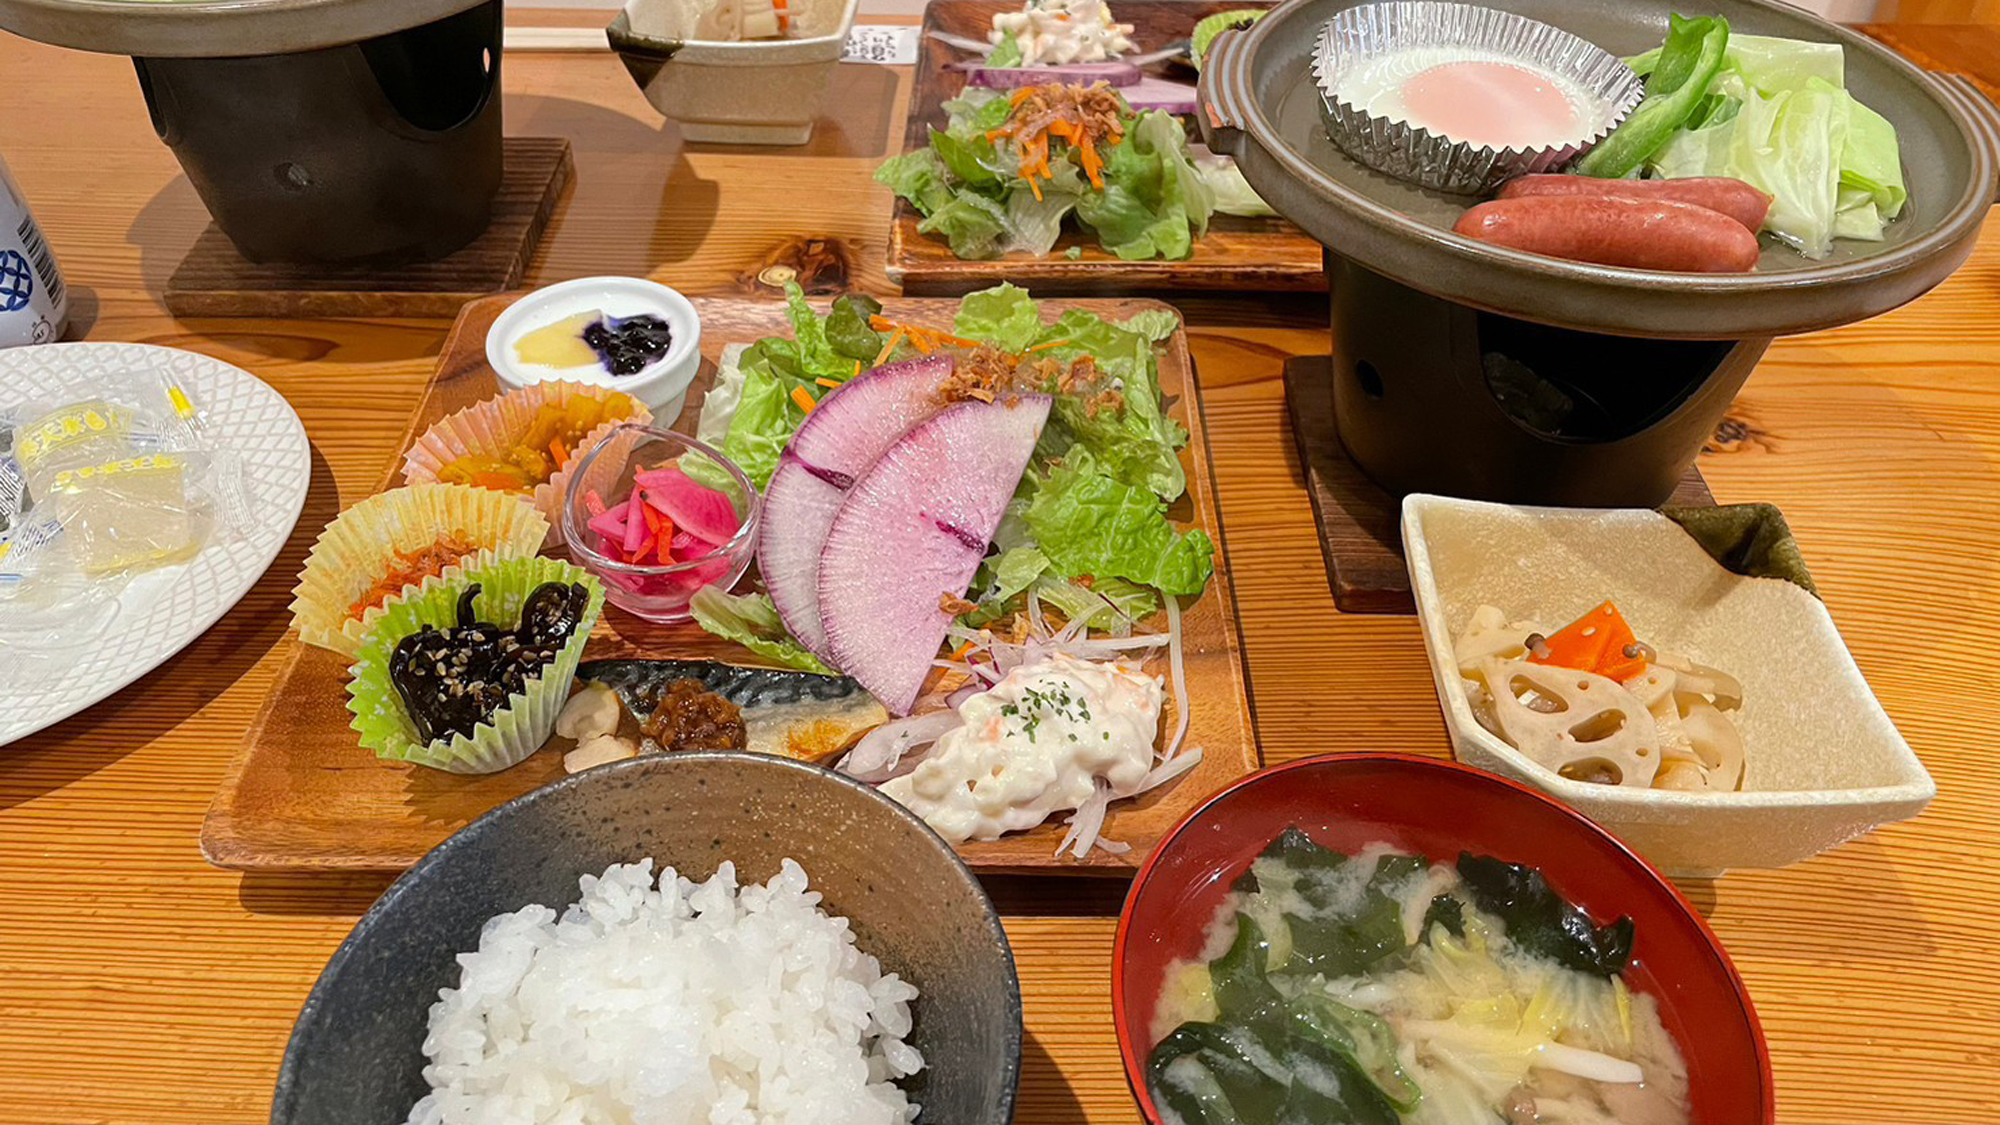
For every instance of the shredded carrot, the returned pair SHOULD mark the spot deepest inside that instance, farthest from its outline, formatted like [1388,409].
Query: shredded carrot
[881,323]
[828,383]
[561,454]
[857,368]
[664,530]
[1035,186]
[1050,344]
[1092,166]
[501,481]
[923,343]
[889,348]
[804,400]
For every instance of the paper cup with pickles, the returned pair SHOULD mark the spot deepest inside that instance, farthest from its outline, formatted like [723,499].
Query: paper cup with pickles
[393,542]
[468,675]
[522,443]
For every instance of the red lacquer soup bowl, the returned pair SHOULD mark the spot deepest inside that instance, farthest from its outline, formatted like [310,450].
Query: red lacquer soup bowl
[1438,809]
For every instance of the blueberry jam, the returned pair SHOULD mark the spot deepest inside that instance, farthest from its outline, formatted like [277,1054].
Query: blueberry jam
[629,344]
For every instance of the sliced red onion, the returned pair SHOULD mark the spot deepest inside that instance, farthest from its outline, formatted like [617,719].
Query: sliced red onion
[1167,771]
[1118,74]
[1087,823]
[877,755]
[1161,94]
[1179,672]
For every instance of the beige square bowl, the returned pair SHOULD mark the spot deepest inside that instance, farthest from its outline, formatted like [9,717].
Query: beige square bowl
[1823,763]
[760,92]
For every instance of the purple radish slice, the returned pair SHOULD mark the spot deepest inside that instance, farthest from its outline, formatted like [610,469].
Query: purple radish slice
[1162,94]
[911,532]
[693,507]
[836,443]
[1079,74]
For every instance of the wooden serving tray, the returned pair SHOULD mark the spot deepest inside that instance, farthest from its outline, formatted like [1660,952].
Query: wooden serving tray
[302,794]
[1236,253]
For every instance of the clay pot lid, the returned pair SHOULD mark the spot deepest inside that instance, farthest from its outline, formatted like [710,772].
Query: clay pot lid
[1259,103]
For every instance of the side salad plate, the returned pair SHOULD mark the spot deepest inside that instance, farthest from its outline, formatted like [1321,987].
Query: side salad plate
[951,234]
[114,621]
[302,794]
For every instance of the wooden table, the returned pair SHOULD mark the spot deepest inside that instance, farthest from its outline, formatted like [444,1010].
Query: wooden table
[138,985]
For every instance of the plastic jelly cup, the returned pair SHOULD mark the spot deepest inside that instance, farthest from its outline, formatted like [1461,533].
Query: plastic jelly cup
[655,593]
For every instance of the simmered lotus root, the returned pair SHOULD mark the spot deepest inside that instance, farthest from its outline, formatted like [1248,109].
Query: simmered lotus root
[1490,634]
[1578,724]
[1715,741]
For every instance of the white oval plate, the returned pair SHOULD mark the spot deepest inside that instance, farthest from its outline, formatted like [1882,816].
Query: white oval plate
[160,612]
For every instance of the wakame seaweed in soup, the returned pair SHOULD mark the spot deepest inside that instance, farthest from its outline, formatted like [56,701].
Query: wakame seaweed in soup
[1383,989]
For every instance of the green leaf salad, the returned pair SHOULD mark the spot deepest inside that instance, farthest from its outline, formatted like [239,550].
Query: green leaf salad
[1010,169]
[1087,531]
[1774,113]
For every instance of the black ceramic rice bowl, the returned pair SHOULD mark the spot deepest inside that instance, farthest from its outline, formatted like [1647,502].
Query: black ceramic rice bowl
[355,1056]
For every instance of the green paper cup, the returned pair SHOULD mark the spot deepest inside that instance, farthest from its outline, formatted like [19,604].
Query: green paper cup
[517,729]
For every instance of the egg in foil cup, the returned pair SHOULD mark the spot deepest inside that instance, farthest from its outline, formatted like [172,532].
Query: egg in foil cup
[1397,78]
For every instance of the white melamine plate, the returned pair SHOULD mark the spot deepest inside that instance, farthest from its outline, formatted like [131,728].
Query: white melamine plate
[160,611]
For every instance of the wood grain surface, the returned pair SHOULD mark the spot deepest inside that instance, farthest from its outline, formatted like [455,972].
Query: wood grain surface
[215,280]
[1237,253]
[301,795]
[140,986]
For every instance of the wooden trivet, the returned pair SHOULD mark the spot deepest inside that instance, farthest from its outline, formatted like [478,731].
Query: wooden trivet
[1360,524]
[215,280]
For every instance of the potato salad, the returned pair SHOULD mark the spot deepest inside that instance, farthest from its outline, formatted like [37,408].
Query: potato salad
[1035,744]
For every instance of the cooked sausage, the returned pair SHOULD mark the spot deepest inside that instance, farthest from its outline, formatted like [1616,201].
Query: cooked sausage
[1655,234]
[1733,198]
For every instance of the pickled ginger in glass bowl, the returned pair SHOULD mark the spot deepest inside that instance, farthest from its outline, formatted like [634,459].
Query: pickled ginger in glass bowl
[657,515]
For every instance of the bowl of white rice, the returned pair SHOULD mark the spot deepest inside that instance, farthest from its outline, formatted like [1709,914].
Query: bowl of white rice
[713,938]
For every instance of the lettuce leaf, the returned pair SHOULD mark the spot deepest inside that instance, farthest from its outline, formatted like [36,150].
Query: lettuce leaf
[1004,316]
[1778,116]
[847,331]
[1133,440]
[1005,580]
[1233,194]
[1007,52]
[1154,201]
[765,416]
[1871,161]
[1089,523]
[752,621]
[1788,145]
[750,414]
[975,226]
[920,177]
[1770,65]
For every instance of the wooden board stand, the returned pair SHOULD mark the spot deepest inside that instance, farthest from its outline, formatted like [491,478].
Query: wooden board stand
[1360,523]
[215,280]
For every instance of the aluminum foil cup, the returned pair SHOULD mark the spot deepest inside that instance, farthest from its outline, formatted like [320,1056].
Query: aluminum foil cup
[1360,45]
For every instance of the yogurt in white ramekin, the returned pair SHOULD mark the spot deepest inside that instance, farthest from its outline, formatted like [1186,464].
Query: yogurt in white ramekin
[662,385]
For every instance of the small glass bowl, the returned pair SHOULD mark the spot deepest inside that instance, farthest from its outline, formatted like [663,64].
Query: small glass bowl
[656,593]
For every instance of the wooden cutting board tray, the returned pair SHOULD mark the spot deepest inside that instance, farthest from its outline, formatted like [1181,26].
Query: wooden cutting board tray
[1236,253]
[301,794]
